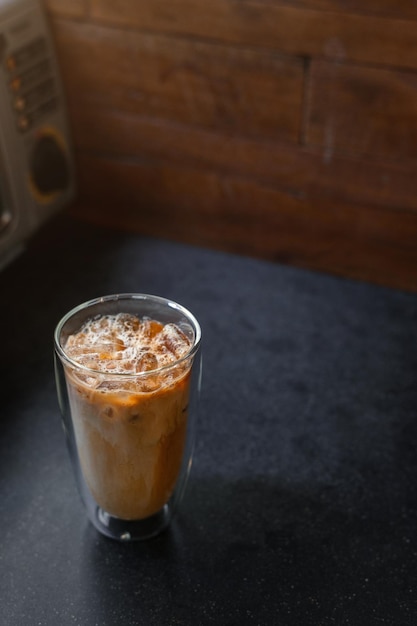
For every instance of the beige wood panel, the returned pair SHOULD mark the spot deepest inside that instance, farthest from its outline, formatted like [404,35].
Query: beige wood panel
[363,111]
[292,30]
[201,207]
[246,91]
[300,171]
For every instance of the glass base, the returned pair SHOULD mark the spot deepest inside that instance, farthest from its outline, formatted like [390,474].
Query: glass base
[131,530]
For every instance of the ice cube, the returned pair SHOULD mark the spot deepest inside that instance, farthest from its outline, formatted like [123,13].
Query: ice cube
[174,340]
[124,322]
[150,328]
[146,362]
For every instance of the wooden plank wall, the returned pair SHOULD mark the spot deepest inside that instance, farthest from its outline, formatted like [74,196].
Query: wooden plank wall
[285,129]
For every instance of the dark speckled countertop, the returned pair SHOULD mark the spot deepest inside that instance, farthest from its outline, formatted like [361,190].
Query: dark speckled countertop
[302,503]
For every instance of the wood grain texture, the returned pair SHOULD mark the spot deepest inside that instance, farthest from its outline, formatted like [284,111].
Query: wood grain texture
[284,129]
[296,170]
[292,30]
[203,208]
[67,8]
[401,9]
[363,111]
[249,92]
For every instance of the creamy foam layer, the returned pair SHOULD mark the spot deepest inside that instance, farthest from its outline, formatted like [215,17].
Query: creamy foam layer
[125,344]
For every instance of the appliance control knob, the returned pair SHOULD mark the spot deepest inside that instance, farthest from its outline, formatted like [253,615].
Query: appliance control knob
[49,166]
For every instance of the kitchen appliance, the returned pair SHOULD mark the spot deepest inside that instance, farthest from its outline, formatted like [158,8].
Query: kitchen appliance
[37,176]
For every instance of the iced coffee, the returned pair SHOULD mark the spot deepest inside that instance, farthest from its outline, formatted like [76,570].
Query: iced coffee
[129,398]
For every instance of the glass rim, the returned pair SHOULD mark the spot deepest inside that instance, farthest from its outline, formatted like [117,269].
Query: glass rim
[127,296]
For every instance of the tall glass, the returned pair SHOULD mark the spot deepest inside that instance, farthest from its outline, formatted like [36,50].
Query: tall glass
[130,436]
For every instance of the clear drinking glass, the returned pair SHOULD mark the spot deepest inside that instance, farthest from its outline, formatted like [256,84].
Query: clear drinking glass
[130,436]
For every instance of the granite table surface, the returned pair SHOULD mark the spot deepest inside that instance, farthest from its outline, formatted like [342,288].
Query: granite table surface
[301,507]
